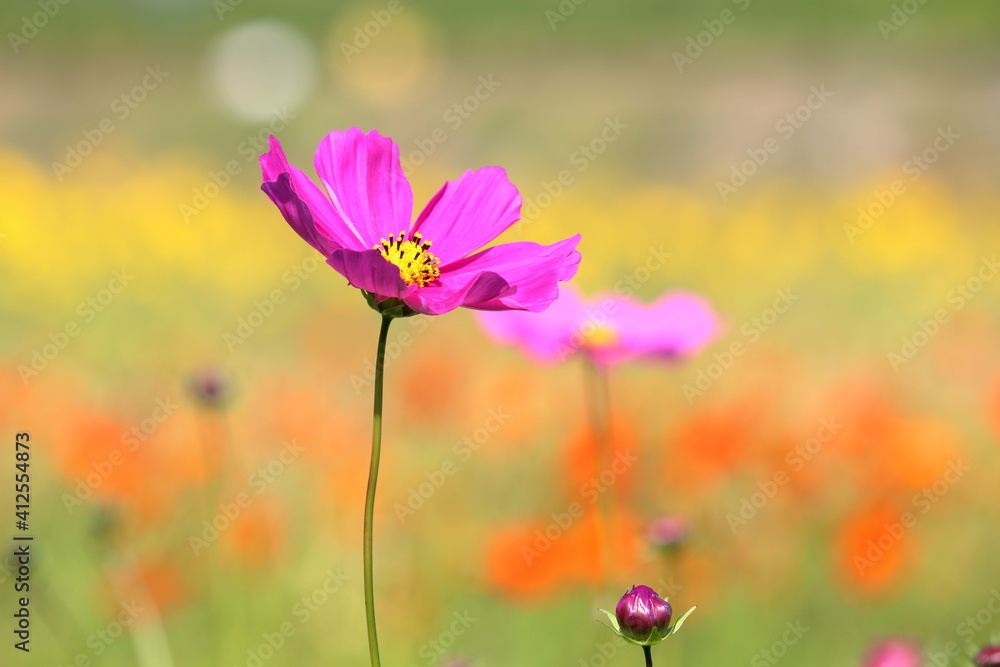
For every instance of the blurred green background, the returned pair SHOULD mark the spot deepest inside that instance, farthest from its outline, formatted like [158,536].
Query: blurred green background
[132,216]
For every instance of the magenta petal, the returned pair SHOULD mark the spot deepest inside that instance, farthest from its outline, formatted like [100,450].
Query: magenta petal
[680,324]
[365,182]
[677,325]
[546,337]
[303,205]
[368,270]
[535,270]
[469,212]
[436,300]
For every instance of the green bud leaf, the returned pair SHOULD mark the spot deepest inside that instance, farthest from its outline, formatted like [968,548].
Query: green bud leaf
[680,621]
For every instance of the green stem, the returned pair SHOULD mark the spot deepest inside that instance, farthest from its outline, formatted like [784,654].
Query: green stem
[649,656]
[370,495]
[599,398]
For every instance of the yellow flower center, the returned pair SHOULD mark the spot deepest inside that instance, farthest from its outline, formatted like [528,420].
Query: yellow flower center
[416,265]
[598,336]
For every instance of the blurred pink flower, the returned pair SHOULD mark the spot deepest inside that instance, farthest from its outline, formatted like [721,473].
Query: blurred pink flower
[362,224]
[988,655]
[667,531]
[893,653]
[609,329]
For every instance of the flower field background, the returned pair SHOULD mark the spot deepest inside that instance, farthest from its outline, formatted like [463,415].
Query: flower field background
[826,178]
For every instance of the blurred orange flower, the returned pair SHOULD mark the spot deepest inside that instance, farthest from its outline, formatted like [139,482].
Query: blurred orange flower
[541,557]
[256,537]
[710,444]
[874,545]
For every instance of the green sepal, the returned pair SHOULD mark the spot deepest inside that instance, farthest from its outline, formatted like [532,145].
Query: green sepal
[391,307]
[680,621]
[614,622]
[654,635]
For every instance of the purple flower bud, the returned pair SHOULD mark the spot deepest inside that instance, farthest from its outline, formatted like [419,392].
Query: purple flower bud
[893,653]
[639,611]
[667,531]
[988,655]
[211,387]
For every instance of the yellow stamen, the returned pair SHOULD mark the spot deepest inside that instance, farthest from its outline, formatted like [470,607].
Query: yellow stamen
[598,336]
[416,265]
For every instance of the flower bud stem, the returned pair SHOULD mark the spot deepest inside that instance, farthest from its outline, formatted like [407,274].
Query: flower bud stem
[370,495]
[649,656]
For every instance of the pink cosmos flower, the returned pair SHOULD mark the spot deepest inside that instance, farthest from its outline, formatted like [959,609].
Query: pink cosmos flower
[361,220]
[893,653]
[668,531]
[610,329]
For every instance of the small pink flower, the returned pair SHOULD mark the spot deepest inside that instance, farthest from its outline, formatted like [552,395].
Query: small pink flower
[361,220]
[893,653]
[609,329]
[988,655]
[667,531]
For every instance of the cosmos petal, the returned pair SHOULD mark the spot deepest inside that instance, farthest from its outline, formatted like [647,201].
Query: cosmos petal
[469,212]
[365,183]
[368,270]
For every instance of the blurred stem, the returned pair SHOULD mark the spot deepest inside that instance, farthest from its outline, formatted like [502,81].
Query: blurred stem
[599,399]
[149,637]
[370,495]
[212,453]
[649,656]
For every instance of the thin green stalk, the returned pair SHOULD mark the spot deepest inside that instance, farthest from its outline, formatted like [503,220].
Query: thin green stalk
[599,399]
[370,495]
[649,656]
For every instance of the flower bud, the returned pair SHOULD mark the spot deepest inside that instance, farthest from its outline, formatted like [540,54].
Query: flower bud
[667,532]
[211,387]
[988,655]
[640,611]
